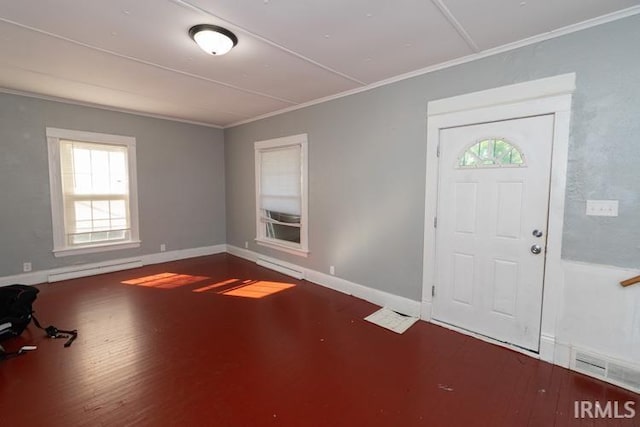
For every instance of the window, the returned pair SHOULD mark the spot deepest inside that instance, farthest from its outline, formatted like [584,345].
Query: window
[93,191]
[281,193]
[491,153]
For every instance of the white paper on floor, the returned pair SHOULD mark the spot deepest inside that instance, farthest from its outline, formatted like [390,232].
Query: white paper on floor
[391,320]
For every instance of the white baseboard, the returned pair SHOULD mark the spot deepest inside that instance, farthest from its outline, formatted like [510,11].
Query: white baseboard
[242,253]
[425,311]
[168,256]
[384,299]
[25,279]
[84,270]
[562,356]
[547,348]
[281,266]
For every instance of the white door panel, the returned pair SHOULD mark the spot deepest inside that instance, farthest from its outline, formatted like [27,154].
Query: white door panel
[488,281]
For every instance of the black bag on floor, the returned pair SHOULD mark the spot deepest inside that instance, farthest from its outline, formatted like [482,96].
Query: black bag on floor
[16,311]
[16,302]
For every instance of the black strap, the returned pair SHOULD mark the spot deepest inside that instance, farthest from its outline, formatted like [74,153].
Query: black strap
[53,332]
[4,355]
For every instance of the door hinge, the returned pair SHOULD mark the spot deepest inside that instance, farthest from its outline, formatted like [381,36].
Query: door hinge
[435,222]
[438,151]
[433,291]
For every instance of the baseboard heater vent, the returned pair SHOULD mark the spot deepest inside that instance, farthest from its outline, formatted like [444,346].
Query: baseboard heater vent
[281,267]
[91,270]
[602,367]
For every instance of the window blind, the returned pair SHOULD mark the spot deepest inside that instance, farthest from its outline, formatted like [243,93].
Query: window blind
[280,180]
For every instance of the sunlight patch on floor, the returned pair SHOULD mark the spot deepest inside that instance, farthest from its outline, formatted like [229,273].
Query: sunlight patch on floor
[246,288]
[165,280]
[217,285]
[258,289]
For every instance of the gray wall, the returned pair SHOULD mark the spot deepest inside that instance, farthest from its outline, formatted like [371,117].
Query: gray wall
[180,181]
[367,156]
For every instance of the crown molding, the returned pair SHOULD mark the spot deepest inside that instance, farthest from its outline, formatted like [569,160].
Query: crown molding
[458,61]
[104,107]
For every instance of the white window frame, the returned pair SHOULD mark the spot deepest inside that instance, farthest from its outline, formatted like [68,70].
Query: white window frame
[60,246]
[301,249]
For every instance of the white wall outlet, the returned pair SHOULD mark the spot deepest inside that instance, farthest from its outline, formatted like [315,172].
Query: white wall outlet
[163,247]
[332,270]
[26,267]
[246,245]
[602,207]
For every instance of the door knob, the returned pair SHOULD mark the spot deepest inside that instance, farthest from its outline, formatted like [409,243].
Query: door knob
[537,233]
[536,249]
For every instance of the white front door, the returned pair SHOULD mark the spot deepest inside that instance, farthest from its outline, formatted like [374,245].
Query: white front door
[493,199]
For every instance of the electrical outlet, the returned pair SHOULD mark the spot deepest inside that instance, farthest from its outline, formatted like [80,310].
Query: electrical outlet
[246,245]
[26,267]
[602,208]
[163,247]
[332,270]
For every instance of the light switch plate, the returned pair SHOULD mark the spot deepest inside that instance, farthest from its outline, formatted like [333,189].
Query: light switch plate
[602,207]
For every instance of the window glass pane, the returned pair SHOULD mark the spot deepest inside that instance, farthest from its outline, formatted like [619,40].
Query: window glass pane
[283,232]
[80,171]
[485,149]
[516,157]
[83,211]
[79,239]
[117,235]
[118,209]
[283,217]
[100,172]
[101,224]
[118,223]
[500,149]
[491,152]
[118,173]
[83,226]
[81,161]
[100,209]
[94,168]
[468,159]
[100,236]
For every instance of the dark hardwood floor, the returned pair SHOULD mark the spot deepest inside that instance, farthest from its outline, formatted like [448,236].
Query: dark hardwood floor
[219,341]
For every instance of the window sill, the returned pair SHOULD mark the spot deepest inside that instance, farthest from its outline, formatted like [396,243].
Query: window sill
[282,247]
[104,247]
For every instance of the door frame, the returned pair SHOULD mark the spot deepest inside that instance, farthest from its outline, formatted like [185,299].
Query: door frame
[550,95]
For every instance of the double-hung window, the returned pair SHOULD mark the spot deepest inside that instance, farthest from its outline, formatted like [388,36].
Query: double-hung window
[281,194]
[93,191]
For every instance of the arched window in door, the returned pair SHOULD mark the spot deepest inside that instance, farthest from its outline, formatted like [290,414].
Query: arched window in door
[491,153]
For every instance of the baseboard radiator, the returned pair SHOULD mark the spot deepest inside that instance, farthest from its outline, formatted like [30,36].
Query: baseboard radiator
[281,267]
[604,368]
[91,270]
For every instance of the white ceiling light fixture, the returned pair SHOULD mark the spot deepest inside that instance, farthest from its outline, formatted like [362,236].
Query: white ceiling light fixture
[213,39]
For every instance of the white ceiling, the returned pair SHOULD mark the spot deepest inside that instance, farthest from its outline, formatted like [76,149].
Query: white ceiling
[135,55]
